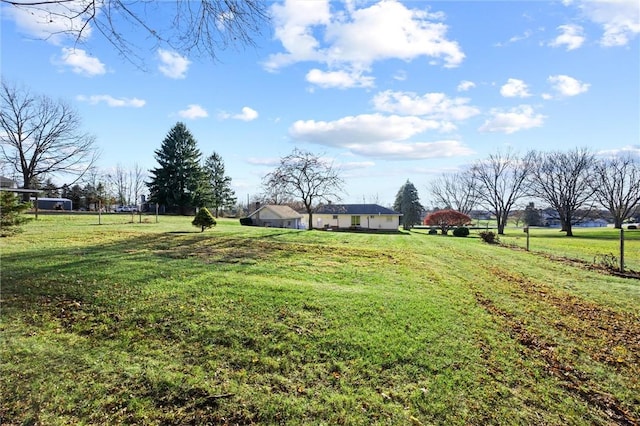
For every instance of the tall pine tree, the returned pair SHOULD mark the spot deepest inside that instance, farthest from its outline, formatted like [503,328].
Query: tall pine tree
[408,203]
[220,193]
[178,183]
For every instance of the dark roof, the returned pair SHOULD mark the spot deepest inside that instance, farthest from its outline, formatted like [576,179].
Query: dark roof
[355,209]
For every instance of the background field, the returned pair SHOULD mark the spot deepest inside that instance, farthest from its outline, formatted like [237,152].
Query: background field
[152,323]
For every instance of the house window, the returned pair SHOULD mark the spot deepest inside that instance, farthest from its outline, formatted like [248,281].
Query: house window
[389,218]
[335,216]
[355,220]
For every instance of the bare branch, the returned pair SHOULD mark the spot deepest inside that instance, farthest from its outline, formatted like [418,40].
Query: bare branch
[42,136]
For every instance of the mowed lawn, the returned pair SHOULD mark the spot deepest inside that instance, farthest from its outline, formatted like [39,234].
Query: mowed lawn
[156,323]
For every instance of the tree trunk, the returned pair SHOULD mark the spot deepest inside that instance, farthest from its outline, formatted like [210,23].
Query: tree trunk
[310,220]
[569,231]
[617,223]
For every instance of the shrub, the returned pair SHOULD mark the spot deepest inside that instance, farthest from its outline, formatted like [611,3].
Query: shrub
[632,227]
[446,219]
[433,231]
[204,219]
[489,237]
[606,261]
[246,221]
[461,231]
[11,213]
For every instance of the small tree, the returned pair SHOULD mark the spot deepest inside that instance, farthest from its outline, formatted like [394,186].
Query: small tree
[11,213]
[204,219]
[446,219]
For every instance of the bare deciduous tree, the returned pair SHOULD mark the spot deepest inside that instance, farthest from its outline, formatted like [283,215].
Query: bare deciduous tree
[500,183]
[305,176]
[137,176]
[455,191]
[128,184]
[616,186]
[563,180]
[42,137]
[203,27]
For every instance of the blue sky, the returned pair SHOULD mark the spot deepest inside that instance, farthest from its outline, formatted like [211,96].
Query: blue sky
[387,90]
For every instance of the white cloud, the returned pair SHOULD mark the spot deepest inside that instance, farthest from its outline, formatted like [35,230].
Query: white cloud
[432,105]
[80,62]
[247,114]
[465,85]
[172,64]
[412,151]
[338,79]
[567,86]
[377,135]
[272,161]
[344,40]
[50,21]
[111,101]
[400,75]
[193,112]
[511,121]
[360,129]
[514,88]
[516,38]
[620,19]
[357,165]
[628,150]
[572,36]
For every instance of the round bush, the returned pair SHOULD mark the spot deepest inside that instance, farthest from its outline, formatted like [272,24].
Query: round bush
[461,231]
[433,231]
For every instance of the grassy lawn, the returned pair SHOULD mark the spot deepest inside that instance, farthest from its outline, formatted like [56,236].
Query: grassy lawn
[587,244]
[157,323]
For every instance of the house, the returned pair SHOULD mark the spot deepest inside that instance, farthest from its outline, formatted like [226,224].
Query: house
[5,182]
[355,216]
[276,216]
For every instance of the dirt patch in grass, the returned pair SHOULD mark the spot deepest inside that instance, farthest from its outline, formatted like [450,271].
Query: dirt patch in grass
[577,382]
[253,250]
[609,336]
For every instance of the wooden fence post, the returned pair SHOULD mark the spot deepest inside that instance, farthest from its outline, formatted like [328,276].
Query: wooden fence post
[621,250]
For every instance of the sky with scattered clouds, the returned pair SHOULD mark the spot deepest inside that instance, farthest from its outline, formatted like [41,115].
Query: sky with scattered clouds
[387,90]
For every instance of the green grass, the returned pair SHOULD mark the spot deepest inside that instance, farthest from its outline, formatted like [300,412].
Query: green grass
[157,323]
[587,244]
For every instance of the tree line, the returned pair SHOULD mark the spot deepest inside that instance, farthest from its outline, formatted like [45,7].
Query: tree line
[42,137]
[572,183]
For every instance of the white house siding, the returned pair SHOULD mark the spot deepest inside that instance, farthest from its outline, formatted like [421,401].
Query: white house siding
[382,222]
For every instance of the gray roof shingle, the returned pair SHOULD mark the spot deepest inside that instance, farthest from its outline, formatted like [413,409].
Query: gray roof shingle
[355,209]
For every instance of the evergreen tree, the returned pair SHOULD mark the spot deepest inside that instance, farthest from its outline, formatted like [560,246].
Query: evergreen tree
[11,213]
[532,216]
[75,194]
[408,203]
[178,182]
[219,186]
[204,219]
[50,189]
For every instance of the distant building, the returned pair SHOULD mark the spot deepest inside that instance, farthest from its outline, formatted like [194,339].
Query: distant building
[7,183]
[276,216]
[64,204]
